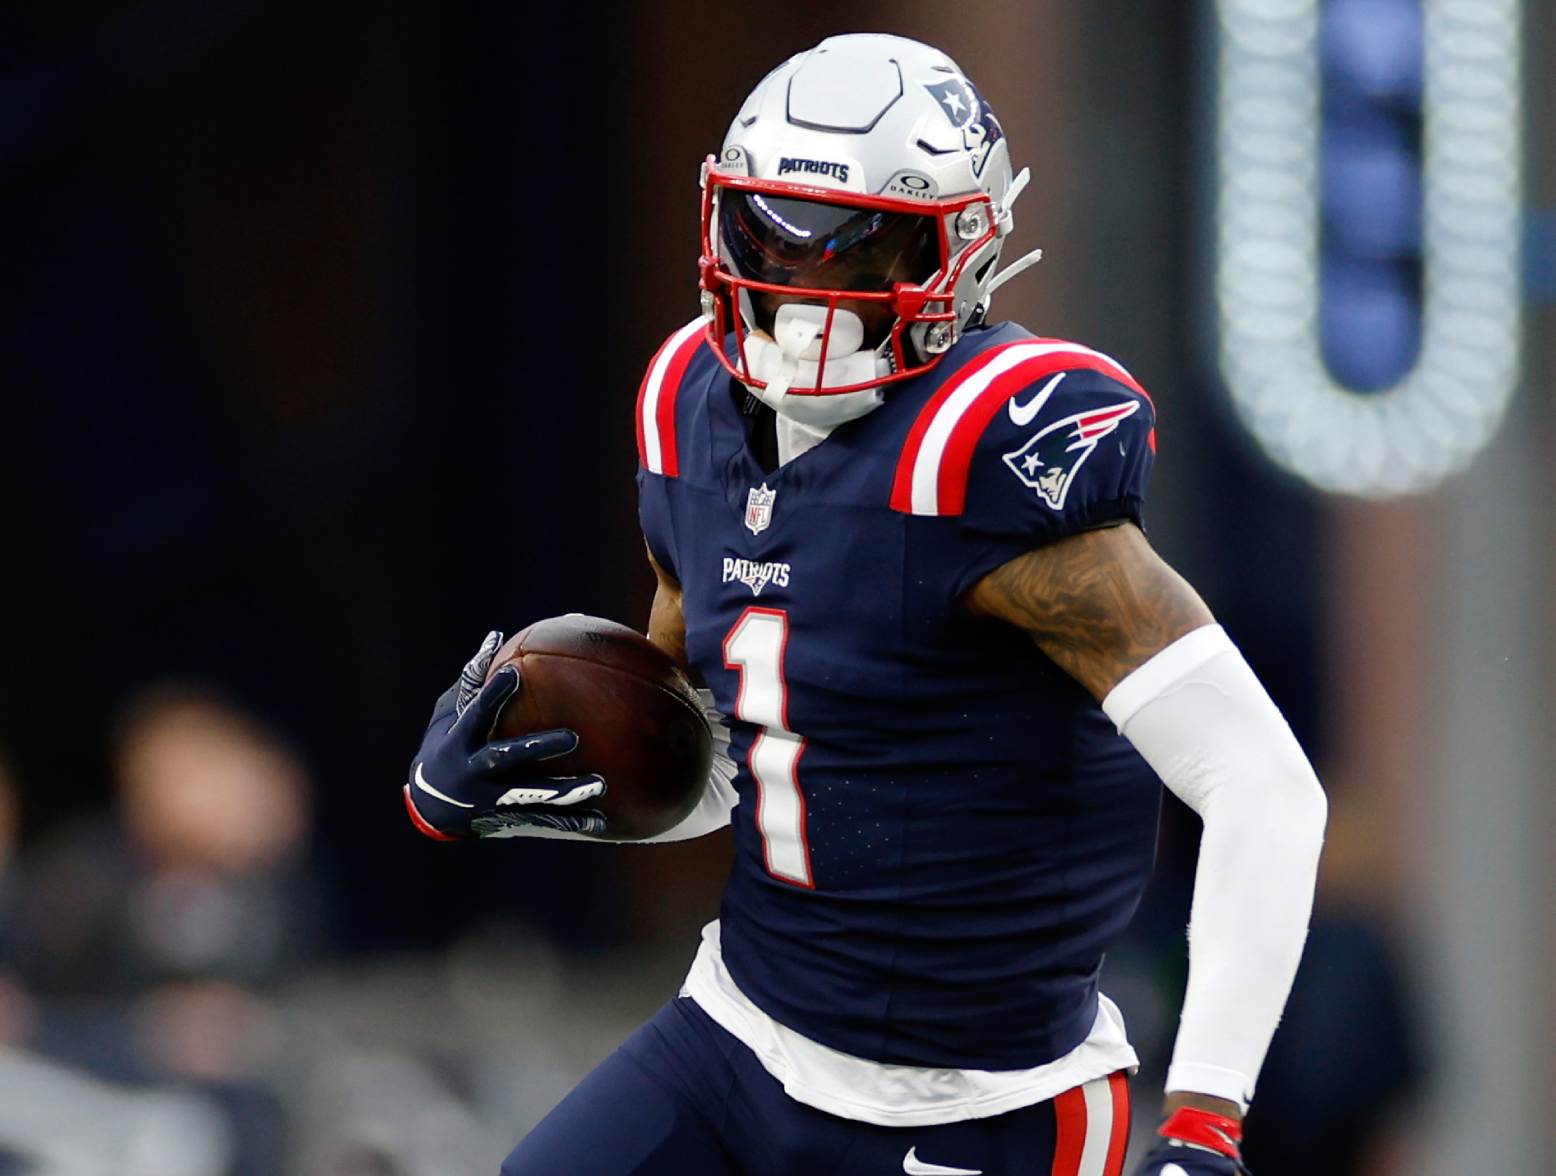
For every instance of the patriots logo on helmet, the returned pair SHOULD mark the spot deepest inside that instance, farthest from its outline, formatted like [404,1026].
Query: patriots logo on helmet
[1049,462]
[966,110]
[958,101]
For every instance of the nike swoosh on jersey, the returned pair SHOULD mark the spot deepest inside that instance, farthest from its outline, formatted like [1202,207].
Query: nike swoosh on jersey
[421,782]
[914,1166]
[1022,414]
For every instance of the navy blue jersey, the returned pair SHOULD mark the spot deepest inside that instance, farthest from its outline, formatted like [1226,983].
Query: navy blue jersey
[939,832]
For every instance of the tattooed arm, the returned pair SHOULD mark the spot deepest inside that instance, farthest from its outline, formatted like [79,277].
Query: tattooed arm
[1099,604]
[667,630]
[666,624]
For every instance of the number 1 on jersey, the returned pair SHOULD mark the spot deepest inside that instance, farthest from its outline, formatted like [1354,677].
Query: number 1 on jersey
[755,647]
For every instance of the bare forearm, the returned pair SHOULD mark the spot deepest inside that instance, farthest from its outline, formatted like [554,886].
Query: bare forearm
[666,623]
[1203,1102]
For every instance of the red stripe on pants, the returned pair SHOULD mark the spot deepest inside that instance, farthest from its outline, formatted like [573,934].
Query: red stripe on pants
[1118,1086]
[1070,1132]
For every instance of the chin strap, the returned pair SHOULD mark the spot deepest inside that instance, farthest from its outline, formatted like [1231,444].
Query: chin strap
[1204,1129]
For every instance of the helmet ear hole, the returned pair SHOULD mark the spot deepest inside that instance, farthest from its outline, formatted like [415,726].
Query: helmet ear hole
[982,271]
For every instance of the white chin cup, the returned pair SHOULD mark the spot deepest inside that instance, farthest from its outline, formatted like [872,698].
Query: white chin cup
[798,327]
[791,359]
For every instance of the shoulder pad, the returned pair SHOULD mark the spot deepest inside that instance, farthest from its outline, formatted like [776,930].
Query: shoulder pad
[656,398]
[936,461]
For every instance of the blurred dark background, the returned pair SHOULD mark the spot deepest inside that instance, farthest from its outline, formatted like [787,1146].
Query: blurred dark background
[320,327]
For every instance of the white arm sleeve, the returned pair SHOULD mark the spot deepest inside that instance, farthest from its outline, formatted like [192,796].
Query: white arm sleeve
[711,813]
[1201,719]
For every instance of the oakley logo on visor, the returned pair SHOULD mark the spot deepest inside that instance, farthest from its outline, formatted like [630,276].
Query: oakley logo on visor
[814,167]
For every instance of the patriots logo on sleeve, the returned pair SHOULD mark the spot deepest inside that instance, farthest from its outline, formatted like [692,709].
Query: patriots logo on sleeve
[1049,462]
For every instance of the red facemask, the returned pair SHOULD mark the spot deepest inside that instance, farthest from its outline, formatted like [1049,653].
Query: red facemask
[889,260]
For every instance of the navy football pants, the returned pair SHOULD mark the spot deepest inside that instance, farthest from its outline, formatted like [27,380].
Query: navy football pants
[684,1097]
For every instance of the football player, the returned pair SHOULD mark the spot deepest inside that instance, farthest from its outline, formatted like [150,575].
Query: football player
[901,546]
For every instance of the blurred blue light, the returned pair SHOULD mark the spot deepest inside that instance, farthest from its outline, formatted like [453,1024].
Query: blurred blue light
[1370,189]
[1373,49]
[1369,225]
[1371,192]
[1370,322]
[1540,255]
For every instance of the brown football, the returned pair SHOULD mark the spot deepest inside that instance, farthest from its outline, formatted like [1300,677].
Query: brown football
[639,722]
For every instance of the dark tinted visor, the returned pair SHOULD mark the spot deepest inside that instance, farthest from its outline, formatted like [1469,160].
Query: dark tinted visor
[789,242]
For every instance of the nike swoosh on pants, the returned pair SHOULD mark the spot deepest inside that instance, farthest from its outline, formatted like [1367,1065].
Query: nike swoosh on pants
[914,1166]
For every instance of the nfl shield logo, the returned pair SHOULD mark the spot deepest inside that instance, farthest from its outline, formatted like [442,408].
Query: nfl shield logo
[759,509]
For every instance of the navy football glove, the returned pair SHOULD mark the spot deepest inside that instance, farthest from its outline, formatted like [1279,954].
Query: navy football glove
[463,785]
[1196,1143]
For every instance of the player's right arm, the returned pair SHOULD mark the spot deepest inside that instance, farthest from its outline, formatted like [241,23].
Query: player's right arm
[462,786]
[667,630]
[666,622]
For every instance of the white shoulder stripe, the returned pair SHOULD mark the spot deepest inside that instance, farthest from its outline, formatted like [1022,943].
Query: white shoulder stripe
[931,453]
[926,467]
[653,451]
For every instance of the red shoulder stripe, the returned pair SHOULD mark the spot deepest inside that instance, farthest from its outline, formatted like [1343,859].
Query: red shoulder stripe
[642,396]
[657,449]
[932,472]
[902,484]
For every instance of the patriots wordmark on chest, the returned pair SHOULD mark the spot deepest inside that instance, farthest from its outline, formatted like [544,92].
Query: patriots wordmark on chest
[759,508]
[754,574]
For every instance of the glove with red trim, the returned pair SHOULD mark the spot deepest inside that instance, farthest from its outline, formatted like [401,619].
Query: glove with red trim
[464,785]
[1196,1143]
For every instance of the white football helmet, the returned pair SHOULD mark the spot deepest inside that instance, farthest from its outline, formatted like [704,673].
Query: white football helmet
[855,218]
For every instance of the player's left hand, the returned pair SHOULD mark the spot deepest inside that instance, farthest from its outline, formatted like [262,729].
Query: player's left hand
[1195,1143]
